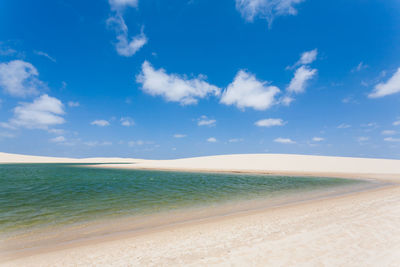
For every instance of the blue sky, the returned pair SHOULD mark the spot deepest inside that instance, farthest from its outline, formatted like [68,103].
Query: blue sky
[170,79]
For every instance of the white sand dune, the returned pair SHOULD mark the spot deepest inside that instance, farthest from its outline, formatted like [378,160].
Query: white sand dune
[360,229]
[260,163]
[17,158]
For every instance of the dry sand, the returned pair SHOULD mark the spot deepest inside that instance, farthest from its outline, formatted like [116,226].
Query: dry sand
[361,229]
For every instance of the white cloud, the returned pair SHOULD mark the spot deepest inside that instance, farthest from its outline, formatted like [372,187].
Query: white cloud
[173,87]
[344,126]
[43,112]
[362,139]
[58,139]
[6,51]
[388,132]
[125,46]
[179,135]
[247,92]
[270,122]
[212,140]
[127,121]
[19,78]
[73,104]
[56,131]
[318,139]
[101,123]
[391,139]
[6,135]
[97,143]
[205,121]
[359,67]
[43,54]
[392,86]
[308,57]
[136,143]
[235,140]
[266,9]
[396,123]
[284,140]
[128,48]
[119,5]
[299,81]
[286,100]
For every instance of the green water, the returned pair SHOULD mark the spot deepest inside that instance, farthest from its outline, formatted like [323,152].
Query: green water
[37,195]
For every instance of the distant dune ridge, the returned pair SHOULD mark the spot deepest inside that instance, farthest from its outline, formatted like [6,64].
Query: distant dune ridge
[263,163]
[358,229]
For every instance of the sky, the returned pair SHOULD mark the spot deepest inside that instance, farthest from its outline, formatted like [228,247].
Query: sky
[183,78]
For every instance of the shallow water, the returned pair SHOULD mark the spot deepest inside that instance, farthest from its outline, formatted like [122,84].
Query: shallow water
[38,195]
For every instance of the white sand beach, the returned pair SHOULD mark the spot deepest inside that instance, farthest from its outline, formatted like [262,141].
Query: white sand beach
[358,229]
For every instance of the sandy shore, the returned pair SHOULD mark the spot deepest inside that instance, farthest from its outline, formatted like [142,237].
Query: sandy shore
[360,229]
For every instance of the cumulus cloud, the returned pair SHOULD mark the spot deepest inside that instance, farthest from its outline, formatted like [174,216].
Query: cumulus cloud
[396,123]
[247,92]
[173,87]
[302,75]
[266,9]
[127,121]
[179,135]
[43,54]
[270,122]
[284,140]
[73,104]
[212,140]
[391,86]
[19,78]
[318,139]
[205,121]
[101,123]
[43,112]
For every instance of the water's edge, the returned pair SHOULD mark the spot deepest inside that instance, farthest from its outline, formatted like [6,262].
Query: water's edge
[104,230]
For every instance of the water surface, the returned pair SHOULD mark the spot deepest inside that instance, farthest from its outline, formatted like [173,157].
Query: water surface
[38,195]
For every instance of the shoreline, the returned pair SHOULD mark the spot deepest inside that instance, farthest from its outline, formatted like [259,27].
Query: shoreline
[98,250]
[113,229]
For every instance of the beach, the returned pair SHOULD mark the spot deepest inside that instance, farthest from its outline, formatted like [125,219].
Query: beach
[360,228]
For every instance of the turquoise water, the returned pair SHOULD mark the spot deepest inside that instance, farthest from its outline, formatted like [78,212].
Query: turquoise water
[35,195]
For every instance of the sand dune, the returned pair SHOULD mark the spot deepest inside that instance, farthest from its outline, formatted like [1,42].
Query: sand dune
[17,158]
[360,229]
[262,163]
